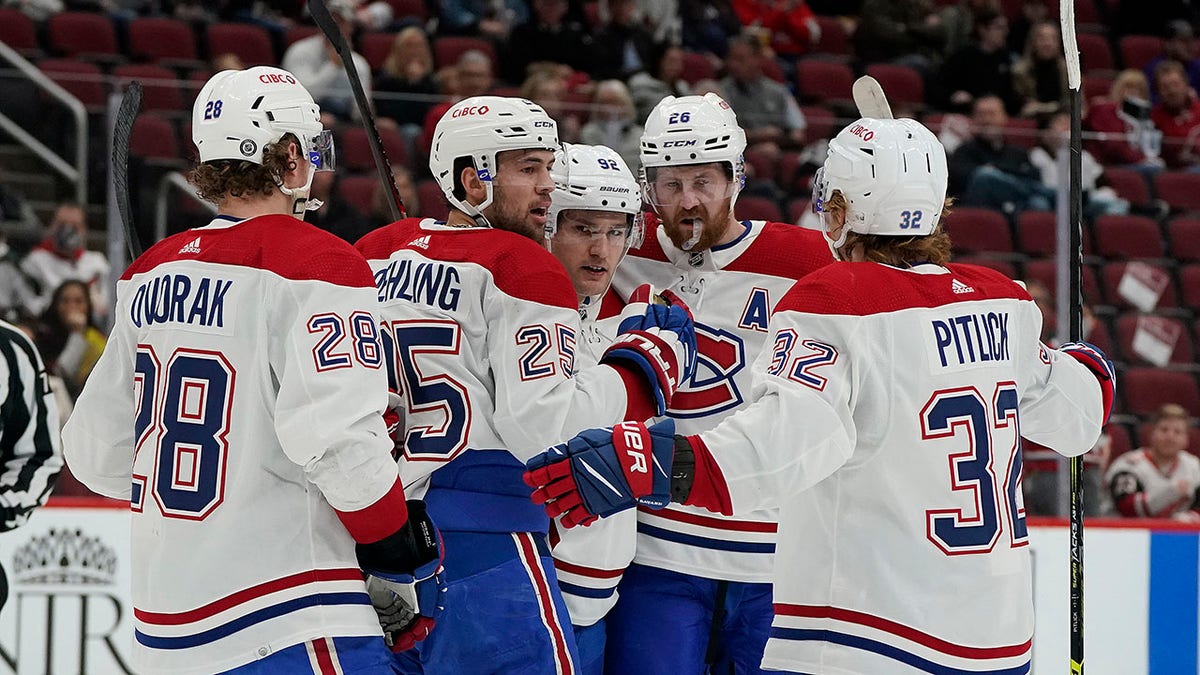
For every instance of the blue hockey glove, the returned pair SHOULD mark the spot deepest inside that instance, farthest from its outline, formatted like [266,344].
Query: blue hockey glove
[409,603]
[657,339]
[603,471]
[1095,360]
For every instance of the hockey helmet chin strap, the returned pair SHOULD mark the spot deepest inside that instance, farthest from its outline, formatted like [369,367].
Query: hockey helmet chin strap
[301,202]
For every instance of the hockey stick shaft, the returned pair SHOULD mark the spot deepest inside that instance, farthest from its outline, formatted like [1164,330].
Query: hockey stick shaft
[324,20]
[131,103]
[1075,509]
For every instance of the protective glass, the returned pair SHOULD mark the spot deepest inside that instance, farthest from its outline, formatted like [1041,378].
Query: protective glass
[320,151]
[665,190]
[820,192]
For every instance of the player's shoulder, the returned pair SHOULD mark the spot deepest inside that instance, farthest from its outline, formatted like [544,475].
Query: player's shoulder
[784,250]
[988,281]
[278,244]
[381,242]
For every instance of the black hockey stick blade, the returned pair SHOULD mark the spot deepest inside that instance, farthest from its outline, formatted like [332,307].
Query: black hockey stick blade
[320,14]
[131,103]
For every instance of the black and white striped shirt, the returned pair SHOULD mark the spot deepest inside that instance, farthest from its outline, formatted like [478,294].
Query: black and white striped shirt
[30,445]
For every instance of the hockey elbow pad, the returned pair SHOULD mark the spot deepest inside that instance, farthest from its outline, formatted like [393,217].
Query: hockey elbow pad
[657,339]
[405,580]
[603,471]
[1095,360]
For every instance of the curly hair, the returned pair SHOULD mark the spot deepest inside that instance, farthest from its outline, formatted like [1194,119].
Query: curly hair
[898,251]
[223,178]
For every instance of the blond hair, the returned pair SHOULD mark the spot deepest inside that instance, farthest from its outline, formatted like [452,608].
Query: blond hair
[892,250]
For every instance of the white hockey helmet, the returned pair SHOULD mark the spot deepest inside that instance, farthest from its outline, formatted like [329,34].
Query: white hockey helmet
[693,130]
[892,174]
[594,178]
[480,128]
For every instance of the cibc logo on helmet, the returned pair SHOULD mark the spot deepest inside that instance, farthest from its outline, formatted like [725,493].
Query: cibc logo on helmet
[276,78]
[470,110]
[862,132]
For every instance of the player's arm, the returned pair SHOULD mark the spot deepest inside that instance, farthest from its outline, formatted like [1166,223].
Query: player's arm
[1133,499]
[30,450]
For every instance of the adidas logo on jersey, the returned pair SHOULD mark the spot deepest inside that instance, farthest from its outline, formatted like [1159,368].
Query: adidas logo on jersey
[959,287]
[420,242]
[192,246]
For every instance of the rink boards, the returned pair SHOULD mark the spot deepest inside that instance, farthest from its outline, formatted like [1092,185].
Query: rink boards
[68,609]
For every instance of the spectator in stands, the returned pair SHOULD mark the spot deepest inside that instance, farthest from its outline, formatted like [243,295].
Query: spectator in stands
[908,32]
[227,61]
[336,216]
[1130,138]
[1177,114]
[959,20]
[612,121]
[404,85]
[982,68]
[62,255]
[492,19]
[381,210]
[988,171]
[1178,45]
[623,45]
[660,16]
[16,293]
[765,108]
[1139,17]
[706,85]
[547,87]
[708,25]
[1159,479]
[789,26]
[67,336]
[1053,136]
[1032,13]
[470,76]
[547,36]
[317,66]
[664,78]
[1040,76]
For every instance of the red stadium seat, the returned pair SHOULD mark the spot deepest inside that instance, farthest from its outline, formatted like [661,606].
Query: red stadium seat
[18,31]
[1119,439]
[1002,266]
[298,33]
[979,230]
[822,123]
[834,38]
[375,47]
[1045,272]
[789,176]
[1185,239]
[772,69]
[409,9]
[1037,232]
[760,163]
[154,138]
[1129,185]
[251,43]
[1147,389]
[902,83]
[1111,273]
[358,191]
[1021,131]
[751,207]
[160,86]
[75,33]
[433,201]
[824,81]
[797,208]
[1138,50]
[158,39]
[1096,85]
[1179,189]
[354,151]
[697,67]
[448,48]
[1189,286]
[1127,327]
[1094,52]
[83,80]
[1125,237]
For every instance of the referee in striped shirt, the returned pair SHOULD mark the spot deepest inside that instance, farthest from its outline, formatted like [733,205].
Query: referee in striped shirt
[30,445]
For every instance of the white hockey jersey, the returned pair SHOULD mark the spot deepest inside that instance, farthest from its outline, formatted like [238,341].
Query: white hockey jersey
[480,327]
[590,560]
[1141,489]
[219,410]
[731,291]
[885,424]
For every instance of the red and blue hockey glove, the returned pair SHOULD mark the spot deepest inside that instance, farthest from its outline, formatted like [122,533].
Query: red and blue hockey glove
[408,603]
[659,340]
[603,471]
[1095,360]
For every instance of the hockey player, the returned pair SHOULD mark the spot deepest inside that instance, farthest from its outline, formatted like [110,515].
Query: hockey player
[886,423]
[239,408]
[1161,479]
[481,325]
[595,216]
[701,579]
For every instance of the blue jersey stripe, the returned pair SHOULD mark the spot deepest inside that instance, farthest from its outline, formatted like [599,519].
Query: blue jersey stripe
[1172,631]
[258,616]
[584,591]
[890,651]
[705,542]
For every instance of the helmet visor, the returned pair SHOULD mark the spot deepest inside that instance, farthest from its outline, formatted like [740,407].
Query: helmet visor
[320,151]
[688,185]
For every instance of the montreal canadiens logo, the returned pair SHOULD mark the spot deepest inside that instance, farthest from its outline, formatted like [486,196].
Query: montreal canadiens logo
[248,147]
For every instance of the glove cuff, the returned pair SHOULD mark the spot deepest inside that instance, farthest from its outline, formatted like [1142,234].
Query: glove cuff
[408,550]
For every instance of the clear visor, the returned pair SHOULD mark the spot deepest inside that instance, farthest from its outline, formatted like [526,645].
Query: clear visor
[820,198]
[572,230]
[686,189]
[320,151]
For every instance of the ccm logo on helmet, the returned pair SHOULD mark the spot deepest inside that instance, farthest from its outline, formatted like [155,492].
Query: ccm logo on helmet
[471,110]
[678,144]
[272,78]
[862,132]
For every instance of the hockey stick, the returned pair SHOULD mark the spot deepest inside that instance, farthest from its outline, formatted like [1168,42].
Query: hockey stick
[1075,251]
[320,14]
[870,99]
[131,103]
